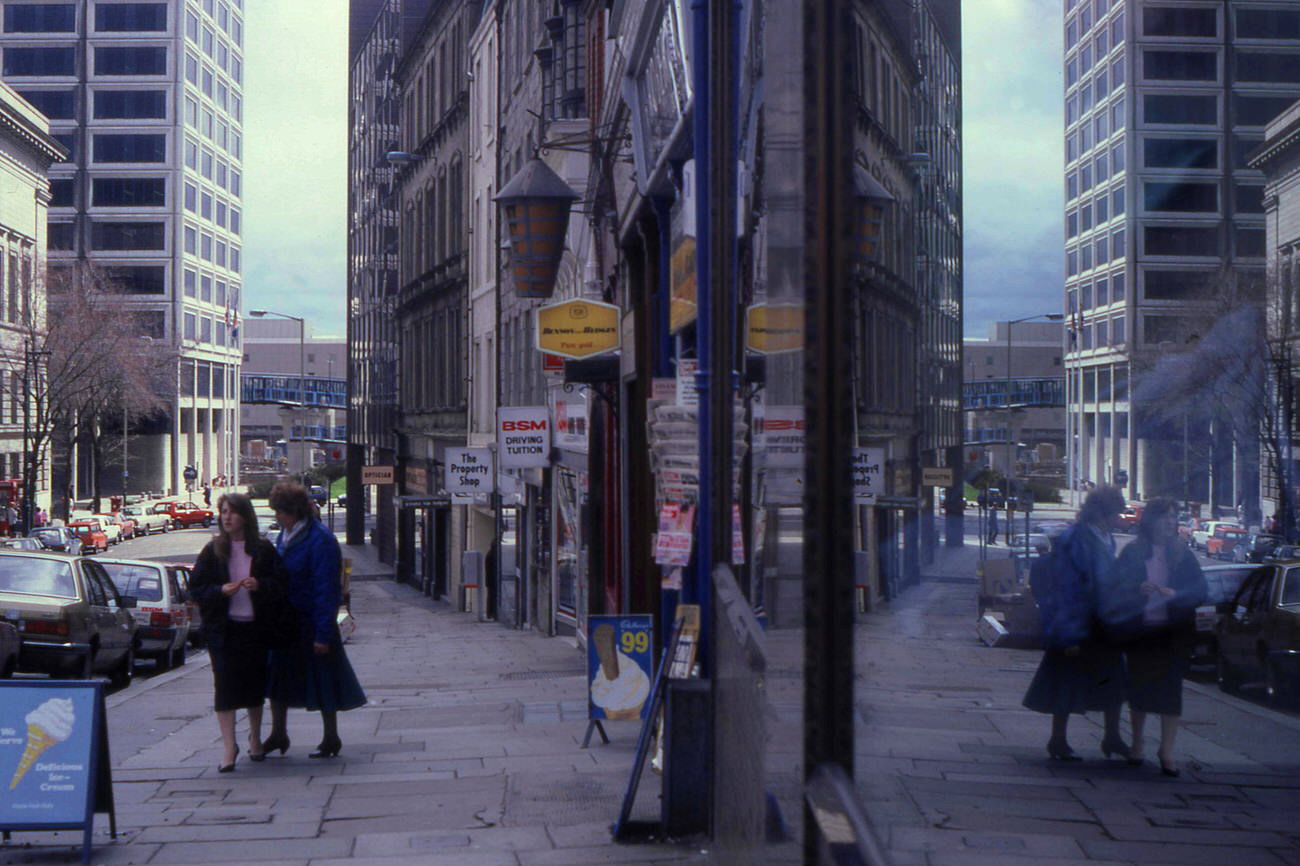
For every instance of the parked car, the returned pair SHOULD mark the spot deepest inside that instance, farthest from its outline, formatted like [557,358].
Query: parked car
[146,520]
[183,515]
[183,573]
[71,620]
[161,615]
[1222,583]
[1220,545]
[60,539]
[124,521]
[92,535]
[21,544]
[1256,547]
[1201,535]
[1188,525]
[1130,517]
[1258,633]
[9,647]
[319,494]
[1283,553]
[112,531]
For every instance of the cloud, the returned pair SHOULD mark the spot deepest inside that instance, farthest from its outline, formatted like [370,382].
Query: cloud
[295,160]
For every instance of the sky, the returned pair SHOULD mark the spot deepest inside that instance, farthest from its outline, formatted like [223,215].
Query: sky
[295,119]
[295,160]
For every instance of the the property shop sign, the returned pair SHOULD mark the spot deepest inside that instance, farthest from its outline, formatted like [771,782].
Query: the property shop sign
[469,470]
[523,436]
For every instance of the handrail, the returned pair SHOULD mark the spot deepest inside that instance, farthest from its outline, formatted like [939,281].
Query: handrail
[844,835]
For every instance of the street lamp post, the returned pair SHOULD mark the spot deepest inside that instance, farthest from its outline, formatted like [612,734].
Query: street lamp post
[31,358]
[1011,440]
[302,364]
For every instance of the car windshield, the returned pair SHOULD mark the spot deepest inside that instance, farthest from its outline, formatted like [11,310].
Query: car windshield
[142,581]
[33,576]
[49,536]
[1222,585]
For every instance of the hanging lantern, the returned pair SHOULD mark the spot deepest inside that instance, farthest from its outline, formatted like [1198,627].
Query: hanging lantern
[872,199]
[535,206]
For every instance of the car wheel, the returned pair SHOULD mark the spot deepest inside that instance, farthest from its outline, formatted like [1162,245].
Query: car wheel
[121,676]
[144,531]
[10,666]
[1280,690]
[207,522]
[1224,673]
[196,638]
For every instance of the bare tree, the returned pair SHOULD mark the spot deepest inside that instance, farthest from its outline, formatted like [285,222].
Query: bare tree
[85,359]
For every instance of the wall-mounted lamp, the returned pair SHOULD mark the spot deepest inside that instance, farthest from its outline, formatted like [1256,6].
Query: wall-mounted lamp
[535,204]
[872,199]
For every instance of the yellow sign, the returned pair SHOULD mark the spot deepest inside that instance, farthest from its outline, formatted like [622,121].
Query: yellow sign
[682,308]
[774,328]
[376,475]
[577,329]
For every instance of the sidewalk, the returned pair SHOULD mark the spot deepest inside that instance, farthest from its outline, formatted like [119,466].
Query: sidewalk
[469,753]
[954,770]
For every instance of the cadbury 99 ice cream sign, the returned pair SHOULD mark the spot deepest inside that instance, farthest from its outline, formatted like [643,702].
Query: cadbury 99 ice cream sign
[619,665]
[46,738]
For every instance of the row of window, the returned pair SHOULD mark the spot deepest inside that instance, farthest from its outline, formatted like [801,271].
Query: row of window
[216,48]
[27,62]
[1101,334]
[109,236]
[203,203]
[213,168]
[1109,35]
[62,17]
[220,133]
[107,104]
[1095,211]
[214,87]
[212,249]
[1202,22]
[1094,172]
[1096,252]
[210,289]
[222,14]
[1105,290]
[207,329]
[15,279]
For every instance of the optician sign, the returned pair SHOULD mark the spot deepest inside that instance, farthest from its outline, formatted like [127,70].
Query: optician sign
[377,475]
[523,436]
[469,470]
[578,328]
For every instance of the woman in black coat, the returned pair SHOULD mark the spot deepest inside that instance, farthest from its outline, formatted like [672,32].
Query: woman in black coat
[1149,605]
[240,586]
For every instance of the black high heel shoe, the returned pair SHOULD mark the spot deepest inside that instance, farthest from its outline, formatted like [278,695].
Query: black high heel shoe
[275,741]
[1059,750]
[328,748]
[229,768]
[257,757]
[1118,747]
[1170,769]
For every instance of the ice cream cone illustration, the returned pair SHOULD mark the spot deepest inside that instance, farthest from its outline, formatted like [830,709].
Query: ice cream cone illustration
[47,725]
[620,687]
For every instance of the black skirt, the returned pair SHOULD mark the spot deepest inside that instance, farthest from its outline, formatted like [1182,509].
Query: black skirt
[1157,664]
[1090,681]
[239,667]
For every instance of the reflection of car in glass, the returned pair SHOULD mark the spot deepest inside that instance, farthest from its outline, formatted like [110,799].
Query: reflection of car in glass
[318,494]
[71,620]
[1258,633]
[1224,539]
[1202,535]
[1222,583]
[21,544]
[160,613]
[1130,517]
[182,574]
[1283,553]
[1256,548]
[59,539]
[9,645]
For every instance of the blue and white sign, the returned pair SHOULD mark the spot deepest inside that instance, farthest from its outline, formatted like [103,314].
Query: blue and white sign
[47,750]
[620,665]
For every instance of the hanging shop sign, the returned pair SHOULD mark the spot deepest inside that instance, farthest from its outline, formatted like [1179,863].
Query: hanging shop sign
[377,475]
[868,474]
[774,328]
[620,665]
[523,436]
[936,476]
[571,424]
[469,470]
[781,433]
[577,328]
[417,479]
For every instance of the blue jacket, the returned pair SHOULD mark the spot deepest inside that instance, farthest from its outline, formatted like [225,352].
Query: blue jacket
[314,563]
[1081,562]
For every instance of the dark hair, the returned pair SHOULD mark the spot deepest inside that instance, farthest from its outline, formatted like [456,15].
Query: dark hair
[1102,504]
[243,506]
[1153,511]
[291,498]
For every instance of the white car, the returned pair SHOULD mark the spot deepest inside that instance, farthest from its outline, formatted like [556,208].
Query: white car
[1206,532]
[116,522]
[145,519]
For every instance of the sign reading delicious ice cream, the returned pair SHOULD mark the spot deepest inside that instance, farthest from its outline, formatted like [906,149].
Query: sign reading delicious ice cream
[50,759]
[619,665]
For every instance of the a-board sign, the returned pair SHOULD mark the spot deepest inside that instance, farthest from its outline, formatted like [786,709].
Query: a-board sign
[868,474]
[469,470]
[620,666]
[55,771]
[936,476]
[524,436]
[377,475]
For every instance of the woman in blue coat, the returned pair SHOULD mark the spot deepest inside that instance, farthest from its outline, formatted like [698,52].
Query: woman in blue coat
[1080,671]
[313,672]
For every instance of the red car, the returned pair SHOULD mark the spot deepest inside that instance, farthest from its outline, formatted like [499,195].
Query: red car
[1224,539]
[186,514]
[93,537]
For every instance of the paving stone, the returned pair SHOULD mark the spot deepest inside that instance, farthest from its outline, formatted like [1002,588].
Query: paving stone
[1160,854]
[622,854]
[253,851]
[223,832]
[1020,844]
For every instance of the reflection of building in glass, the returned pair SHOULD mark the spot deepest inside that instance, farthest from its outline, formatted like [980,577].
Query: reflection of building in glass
[1164,225]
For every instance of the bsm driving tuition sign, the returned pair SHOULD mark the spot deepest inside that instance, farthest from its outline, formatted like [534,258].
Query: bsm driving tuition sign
[469,470]
[523,436]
